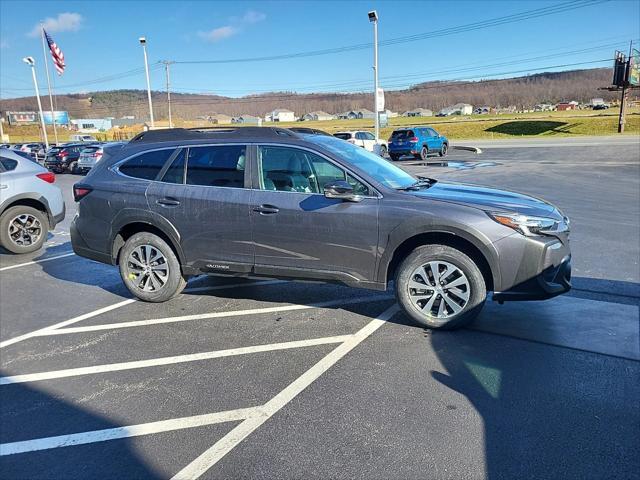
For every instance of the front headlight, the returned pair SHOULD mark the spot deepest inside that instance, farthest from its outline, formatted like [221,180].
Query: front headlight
[529,225]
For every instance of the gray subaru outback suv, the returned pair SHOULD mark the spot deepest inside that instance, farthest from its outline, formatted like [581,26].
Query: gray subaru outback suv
[267,201]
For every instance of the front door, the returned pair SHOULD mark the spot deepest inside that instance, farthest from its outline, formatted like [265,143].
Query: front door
[203,195]
[297,229]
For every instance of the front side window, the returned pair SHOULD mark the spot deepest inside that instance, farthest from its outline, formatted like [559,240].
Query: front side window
[293,170]
[369,136]
[217,166]
[146,166]
[343,136]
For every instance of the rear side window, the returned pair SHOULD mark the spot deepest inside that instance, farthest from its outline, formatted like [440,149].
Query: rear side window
[175,173]
[8,164]
[147,165]
[217,166]
[343,136]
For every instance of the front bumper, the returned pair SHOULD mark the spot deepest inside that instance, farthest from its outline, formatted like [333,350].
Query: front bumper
[544,271]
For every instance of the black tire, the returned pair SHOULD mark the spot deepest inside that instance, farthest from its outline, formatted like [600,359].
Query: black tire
[444,150]
[424,153]
[175,282]
[442,253]
[394,157]
[383,151]
[18,245]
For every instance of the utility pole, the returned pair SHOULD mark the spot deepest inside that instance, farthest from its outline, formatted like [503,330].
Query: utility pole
[373,18]
[623,97]
[143,42]
[166,71]
[32,63]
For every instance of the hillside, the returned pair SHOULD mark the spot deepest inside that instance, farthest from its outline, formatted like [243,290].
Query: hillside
[580,85]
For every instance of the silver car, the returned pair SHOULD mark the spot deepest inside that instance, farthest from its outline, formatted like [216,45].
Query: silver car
[92,155]
[30,205]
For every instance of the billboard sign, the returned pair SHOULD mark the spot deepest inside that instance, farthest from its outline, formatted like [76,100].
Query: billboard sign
[22,118]
[62,118]
[634,68]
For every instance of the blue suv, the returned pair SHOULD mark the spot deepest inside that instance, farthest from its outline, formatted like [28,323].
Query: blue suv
[417,142]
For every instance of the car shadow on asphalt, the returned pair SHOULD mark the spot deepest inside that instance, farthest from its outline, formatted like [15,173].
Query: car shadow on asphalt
[547,412]
[119,457]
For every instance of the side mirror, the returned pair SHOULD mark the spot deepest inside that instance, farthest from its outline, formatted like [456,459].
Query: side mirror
[342,190]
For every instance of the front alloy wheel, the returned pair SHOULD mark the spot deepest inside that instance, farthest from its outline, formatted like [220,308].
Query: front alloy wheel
[440,287]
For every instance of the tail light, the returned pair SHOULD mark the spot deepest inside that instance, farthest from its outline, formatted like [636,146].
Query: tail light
[80,191]
[63,153]
[25,149]
[413,140]
[97,155]
[48,177]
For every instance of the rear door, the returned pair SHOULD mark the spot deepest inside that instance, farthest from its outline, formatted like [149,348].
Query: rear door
[202,194]
[369,140]
[7,181]
[297,230]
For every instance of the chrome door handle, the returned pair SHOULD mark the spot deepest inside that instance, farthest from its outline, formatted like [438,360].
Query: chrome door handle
[266,209]
[2,187]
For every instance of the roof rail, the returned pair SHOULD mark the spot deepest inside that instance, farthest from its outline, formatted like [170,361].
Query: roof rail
[200,133]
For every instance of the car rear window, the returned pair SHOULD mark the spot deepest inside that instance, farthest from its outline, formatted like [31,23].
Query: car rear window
[402,134]
[8,164]
[90,149]
[343,136]
[218,166]
[146,166]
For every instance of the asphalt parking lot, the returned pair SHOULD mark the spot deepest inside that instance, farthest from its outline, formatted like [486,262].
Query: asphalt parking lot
[246,378]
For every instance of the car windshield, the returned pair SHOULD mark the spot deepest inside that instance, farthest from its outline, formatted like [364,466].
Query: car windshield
[376,167]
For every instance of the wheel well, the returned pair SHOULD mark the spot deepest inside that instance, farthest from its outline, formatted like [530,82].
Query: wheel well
[131,229]
[29,202]
[454,241]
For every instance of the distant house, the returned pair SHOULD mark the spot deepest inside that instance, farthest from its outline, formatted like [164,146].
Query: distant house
[359,113]
[280,115]
[317,115]
[418,112]
[247,119]
[91,125]
[543,107]
[564,106]
[457,109]
[219,119]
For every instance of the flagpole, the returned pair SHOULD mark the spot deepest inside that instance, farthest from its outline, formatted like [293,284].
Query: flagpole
[46,67]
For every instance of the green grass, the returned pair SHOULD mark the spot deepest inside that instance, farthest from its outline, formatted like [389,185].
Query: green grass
[538,124]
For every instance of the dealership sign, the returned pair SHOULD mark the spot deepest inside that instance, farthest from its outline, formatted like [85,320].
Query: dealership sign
[634,68]
[62,118]
[22,118]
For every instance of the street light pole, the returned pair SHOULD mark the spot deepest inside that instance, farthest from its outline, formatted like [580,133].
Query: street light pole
[32,63]
[373,18]
[143,42]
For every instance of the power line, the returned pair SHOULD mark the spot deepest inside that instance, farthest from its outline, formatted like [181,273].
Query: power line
[526,15]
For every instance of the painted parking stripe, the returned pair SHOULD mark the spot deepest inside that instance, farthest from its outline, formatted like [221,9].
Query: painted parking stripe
[126,431]
[155,362]
[206,316]
[227,443]
[34,262]
[50,329]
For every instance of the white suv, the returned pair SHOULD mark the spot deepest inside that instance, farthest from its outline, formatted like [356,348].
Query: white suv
[366,140]
[30,205]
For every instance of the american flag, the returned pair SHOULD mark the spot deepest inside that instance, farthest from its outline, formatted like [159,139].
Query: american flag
[56,53]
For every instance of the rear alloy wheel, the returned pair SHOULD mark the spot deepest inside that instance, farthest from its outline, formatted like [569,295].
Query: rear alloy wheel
[440,287]
[383,151]
[150,269]
[424,153]
[444,149]
[23,229]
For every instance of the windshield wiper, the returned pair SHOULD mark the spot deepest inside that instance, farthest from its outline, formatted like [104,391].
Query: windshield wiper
[423,182]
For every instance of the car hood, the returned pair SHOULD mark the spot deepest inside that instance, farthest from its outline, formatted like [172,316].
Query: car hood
[489,199]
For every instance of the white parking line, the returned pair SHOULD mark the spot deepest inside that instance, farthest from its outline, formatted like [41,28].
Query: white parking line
[227,443]
[206,316]
[11,267]
[252,417]
[126,432]
[50,329]
[155,362]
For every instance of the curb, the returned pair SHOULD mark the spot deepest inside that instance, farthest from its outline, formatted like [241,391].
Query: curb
[469,149]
